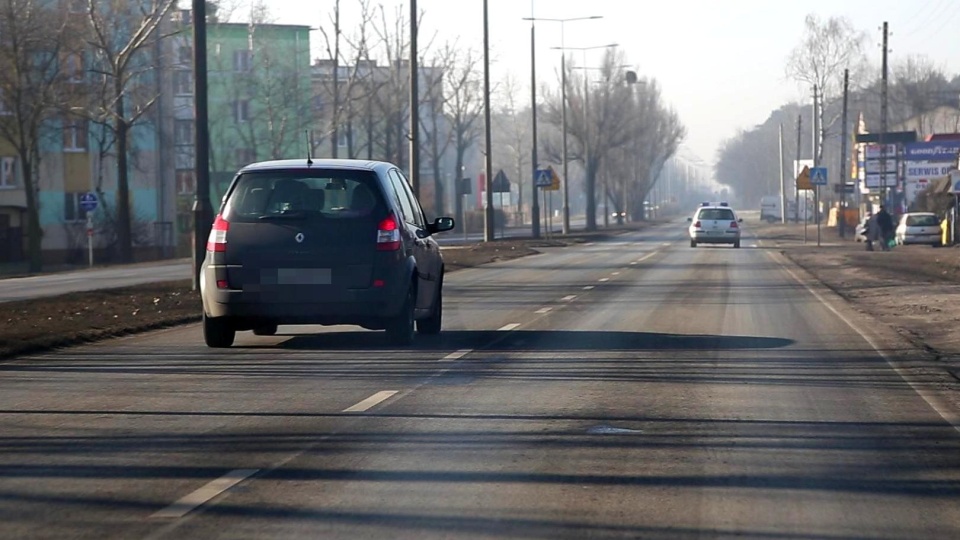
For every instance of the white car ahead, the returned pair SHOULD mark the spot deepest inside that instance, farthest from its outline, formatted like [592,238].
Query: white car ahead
[714,224]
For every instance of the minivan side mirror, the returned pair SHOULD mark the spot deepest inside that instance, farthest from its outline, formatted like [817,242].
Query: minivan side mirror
[441,224]
[690,219]
[740,220]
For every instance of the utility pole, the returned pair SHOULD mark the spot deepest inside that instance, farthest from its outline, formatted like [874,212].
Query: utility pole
[843,156]
[415,102]
[202,211]
[591,188]
[816,159]
[783,192]
[883,120]
[796,186]
[335,111]
[489,215]
[535,206]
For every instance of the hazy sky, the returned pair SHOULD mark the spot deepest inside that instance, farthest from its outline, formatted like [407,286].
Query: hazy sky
[720,62]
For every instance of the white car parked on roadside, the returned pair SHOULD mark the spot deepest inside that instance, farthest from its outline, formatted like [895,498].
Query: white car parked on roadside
[918,228]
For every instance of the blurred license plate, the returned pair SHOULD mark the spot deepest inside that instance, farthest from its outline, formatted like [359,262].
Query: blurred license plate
[303,276]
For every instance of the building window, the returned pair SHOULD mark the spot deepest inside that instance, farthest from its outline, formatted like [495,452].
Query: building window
[183,133]
[185,55]
[72,67]
[241,60]
[72,211]
[8,172]
[317,103]
[241,111]
[186,182]
[343,138]
[74,135]
[183,82]
[245,156]
[5,109]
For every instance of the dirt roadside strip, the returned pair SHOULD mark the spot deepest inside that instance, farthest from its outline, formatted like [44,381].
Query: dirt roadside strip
[42,324]
[911,290]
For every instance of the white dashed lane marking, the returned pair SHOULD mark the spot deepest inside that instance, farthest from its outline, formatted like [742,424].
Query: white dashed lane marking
[541,311]
[204,494]
[508,327]
[456,355]
[568,298]
[371,401]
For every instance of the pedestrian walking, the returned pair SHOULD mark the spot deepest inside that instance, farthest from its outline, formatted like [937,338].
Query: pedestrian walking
[885,222]
[871,231]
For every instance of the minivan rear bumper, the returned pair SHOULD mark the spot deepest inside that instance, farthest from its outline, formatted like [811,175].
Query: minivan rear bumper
[292,304]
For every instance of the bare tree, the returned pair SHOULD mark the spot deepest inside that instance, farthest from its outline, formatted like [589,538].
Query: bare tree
[122,38]
[464,107]
[513,134]
[35,87]
[827,48]
[391,103]
[627,136]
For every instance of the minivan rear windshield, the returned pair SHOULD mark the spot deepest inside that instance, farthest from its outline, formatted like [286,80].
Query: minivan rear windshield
[320,193]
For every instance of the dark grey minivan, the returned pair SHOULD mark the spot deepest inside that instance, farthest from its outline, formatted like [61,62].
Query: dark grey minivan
[322,242]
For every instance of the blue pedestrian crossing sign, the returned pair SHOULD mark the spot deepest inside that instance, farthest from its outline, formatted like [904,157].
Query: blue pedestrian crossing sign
[544,178]
[88,201]
[818,176]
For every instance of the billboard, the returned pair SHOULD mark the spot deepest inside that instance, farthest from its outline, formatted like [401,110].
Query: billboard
[925,162]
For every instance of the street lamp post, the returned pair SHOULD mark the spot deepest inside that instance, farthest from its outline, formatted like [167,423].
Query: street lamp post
[563,98]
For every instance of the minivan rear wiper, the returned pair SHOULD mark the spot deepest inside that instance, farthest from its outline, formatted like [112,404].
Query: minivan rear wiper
[285,215]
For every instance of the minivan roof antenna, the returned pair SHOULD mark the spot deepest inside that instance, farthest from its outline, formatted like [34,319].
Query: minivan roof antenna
[309,137]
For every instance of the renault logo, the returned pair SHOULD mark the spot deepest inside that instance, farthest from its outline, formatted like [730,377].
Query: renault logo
[299,237]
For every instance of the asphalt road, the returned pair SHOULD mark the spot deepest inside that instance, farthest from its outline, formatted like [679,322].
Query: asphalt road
[633,388]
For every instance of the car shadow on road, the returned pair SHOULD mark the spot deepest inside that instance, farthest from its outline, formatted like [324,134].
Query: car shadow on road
[533,340]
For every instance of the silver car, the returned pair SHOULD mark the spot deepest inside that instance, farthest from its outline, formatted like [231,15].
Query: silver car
[714,224]
[918,228]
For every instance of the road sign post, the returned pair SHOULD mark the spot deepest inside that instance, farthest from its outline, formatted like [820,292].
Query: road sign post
[90,239]
[818,177]
[88,203]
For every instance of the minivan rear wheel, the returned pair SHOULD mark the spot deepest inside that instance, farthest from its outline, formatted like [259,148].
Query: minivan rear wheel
[217,332]
[400,327]
[431,325]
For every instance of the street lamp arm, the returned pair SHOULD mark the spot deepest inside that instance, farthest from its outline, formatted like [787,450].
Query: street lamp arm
[570,19]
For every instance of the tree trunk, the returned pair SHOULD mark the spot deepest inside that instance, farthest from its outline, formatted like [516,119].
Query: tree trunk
[591,188]
[438,191]
[458,190]
[34,232]
[124,236]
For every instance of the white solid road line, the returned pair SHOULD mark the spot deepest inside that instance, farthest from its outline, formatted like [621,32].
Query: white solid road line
[371,401]
[508,327]
[541,311]
[568,298]
[456,355]
[944,410]
[204,494]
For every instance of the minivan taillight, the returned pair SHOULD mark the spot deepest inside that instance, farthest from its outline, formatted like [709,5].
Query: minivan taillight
[217,241]
[388,234]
